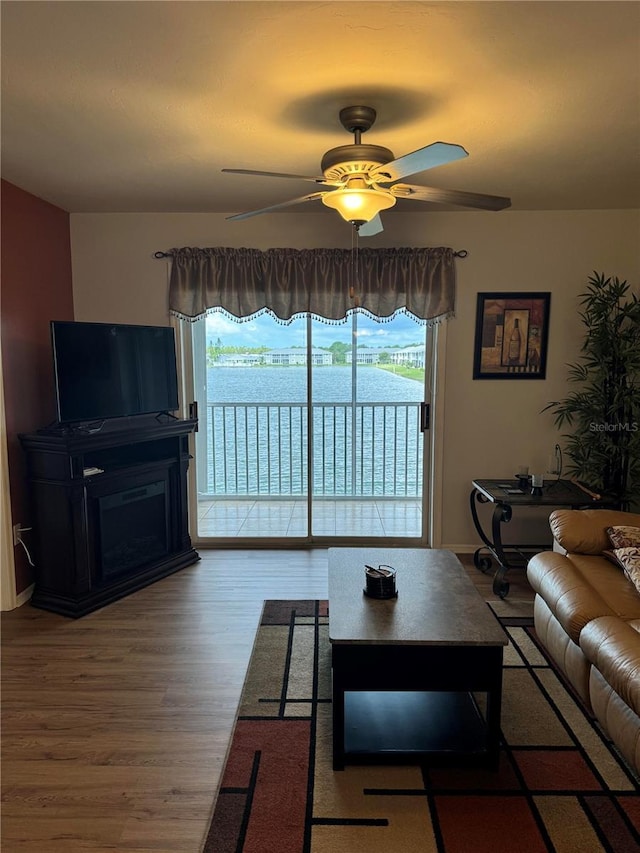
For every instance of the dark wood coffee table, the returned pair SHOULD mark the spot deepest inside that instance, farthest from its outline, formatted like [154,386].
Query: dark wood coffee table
[410,674]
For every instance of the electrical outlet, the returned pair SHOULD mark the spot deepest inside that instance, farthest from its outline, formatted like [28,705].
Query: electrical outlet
[16,534]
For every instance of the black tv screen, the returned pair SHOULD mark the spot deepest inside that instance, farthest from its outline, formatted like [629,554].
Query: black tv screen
[108,370]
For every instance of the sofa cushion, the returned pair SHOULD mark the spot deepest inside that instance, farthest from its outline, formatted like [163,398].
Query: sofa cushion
[584,531]
[616,718]
[579,587]
[562,649]
[613,647]
[609,583]
[562,586]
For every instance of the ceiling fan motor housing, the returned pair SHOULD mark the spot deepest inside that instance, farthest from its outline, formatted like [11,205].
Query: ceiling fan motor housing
[357,118]
[348,160]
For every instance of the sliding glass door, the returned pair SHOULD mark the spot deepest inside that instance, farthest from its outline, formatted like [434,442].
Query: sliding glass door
[252,444]
[368,447]
[309,431]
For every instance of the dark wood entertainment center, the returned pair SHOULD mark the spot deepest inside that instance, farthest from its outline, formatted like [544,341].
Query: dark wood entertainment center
[110,510]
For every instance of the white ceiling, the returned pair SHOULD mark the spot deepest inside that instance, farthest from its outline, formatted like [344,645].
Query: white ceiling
[137,106]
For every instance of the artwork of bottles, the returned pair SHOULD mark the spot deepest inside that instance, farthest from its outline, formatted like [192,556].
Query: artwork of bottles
[511,335]
[515,343]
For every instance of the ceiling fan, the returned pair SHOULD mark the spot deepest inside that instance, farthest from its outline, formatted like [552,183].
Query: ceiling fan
[366,178]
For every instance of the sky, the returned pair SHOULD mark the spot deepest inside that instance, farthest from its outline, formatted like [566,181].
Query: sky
[265,331]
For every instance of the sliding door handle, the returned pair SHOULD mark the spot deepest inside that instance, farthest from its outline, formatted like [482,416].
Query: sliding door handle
[425,416]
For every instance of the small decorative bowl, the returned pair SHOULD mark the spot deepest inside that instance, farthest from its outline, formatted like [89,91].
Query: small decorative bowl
[381,582]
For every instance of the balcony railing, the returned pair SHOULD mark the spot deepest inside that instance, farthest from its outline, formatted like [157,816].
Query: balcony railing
[359,450]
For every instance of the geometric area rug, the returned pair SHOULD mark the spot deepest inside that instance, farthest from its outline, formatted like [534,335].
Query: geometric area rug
[560,785]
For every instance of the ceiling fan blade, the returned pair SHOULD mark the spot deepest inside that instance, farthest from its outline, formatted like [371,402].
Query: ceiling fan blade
[315,179]
[282,204]
[456,197]
[436,154]
[373,226]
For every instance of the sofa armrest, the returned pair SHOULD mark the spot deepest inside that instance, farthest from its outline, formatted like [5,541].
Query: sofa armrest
[584,531]
[572,601]
[613,647]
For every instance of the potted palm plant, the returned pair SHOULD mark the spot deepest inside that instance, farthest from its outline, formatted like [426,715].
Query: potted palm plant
[604,409]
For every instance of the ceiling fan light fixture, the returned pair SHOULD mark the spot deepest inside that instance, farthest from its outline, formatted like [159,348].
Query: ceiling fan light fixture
[358,170]
[358,204]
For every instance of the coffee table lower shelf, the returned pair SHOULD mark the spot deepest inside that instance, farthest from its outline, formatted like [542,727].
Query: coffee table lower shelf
[409,727]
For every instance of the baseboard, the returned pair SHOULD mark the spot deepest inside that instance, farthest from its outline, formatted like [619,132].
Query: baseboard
[24,596]
[460,549]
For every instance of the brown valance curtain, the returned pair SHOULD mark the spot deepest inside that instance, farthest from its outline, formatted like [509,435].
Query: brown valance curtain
[326,283]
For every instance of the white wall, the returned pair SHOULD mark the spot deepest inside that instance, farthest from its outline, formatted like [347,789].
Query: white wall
[490,425]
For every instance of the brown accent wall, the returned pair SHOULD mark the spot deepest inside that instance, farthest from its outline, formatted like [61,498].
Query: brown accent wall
[36,288]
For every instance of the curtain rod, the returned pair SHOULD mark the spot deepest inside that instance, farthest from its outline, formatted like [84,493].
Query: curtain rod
[460,253]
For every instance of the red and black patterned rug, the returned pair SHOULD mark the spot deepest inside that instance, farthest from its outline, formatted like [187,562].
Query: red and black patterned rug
[560,786]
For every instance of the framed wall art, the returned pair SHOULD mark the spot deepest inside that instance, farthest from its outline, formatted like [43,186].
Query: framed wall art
[511,336]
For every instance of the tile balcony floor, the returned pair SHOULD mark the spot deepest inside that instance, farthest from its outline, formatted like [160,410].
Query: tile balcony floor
[249,517]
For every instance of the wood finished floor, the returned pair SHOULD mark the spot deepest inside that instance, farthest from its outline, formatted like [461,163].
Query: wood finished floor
[115,727]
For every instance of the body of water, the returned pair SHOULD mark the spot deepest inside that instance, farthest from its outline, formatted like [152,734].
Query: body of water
[289,385]
[257,427]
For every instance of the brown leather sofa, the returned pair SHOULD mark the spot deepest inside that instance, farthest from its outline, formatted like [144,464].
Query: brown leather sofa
[587,615]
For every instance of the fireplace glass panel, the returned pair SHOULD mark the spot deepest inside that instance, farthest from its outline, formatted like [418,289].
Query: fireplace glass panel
[133,528]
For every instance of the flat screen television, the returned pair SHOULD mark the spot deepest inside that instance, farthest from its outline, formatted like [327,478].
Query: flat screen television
[110,370]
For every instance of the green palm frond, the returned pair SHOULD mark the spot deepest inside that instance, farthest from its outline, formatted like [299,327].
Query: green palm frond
[603,448]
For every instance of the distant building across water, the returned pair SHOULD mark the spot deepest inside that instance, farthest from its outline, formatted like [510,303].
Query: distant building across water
[297,356]
[409,356]
[276,358]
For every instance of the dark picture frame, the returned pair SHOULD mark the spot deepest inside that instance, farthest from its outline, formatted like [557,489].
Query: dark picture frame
[512,331]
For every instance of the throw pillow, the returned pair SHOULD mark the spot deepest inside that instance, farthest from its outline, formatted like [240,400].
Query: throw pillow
[624,536]
[629,559]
